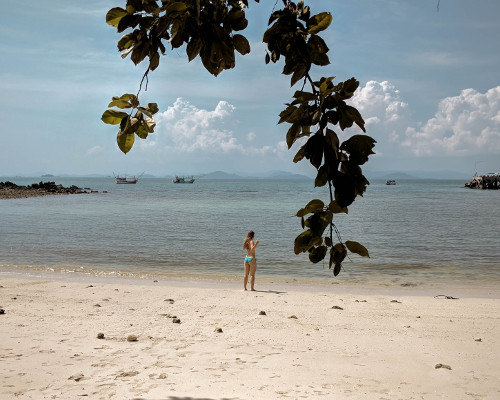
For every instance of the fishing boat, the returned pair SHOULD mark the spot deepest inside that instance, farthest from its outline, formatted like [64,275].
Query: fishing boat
[126,180]
[390,182]
[182,179]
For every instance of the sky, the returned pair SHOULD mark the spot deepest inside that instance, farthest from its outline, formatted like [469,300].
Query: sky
[429,91]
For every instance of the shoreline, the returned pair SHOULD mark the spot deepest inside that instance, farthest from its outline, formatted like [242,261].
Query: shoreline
[454,288]
[330,342]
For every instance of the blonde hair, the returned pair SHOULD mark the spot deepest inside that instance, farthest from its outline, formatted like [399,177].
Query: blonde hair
[246,242]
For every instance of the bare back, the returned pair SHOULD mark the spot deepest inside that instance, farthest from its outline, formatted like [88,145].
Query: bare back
[251,245]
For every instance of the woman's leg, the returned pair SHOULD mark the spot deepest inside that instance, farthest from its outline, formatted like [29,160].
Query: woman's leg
[245,277]
[253,268]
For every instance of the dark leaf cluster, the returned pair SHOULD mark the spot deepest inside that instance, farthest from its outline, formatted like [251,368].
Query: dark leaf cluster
[140,124]
[205,27]
[313,116]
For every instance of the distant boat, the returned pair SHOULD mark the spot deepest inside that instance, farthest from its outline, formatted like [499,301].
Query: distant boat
[182,179]
[126,180]
[390,182]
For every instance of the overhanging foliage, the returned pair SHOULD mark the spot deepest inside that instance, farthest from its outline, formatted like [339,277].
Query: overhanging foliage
[207,30]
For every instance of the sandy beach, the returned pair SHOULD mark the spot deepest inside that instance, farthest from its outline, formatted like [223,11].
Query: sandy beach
[204,340]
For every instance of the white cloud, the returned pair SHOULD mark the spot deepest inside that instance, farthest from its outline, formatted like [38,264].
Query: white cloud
[384,111]
[464,124]
[184,128]
[380,102]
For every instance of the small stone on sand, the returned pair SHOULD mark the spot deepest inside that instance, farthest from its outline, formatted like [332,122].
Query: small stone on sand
[262,313]
[76,377]
[132,338]
[442,366]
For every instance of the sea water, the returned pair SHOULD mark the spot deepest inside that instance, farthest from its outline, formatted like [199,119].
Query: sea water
[416,231]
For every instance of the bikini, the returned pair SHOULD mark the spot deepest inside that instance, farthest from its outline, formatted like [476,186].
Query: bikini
[248,260]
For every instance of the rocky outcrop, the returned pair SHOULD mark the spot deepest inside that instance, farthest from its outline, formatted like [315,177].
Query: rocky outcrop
[9,190]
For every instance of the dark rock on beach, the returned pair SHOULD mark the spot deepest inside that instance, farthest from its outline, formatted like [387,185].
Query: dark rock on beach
[9,190]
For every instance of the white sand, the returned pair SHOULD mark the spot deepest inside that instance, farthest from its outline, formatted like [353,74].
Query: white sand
[372,349]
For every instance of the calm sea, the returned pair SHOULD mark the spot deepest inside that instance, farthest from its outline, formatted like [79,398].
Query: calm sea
[418,231]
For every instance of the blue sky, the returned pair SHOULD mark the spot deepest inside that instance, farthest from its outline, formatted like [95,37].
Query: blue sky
[429,92]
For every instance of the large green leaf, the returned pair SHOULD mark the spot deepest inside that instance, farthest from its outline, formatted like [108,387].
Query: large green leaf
[299,73]
[126,41]
[125,141]
[149,124]
[241,44]
[345,90]
[300,154]
[128,21]
[113,117]
[319,221]
[305,96]
[322,176]
[319,22]
[114,16]
[359,147]
[337,268]
[336,209]
[305,241]
[154,61]
[315,205]
[193,48]
[120,104]
[140,52]
[126,96]
[142,131]
[355,247]
[345,191]
[314,150]
[152,108]
[292,133]
[134,5]
[317,44]
[339,252]
[317,254]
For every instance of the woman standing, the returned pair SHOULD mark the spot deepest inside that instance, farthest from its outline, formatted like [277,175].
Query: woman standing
[250,263]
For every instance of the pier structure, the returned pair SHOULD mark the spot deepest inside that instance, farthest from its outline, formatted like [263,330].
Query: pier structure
[488,181]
